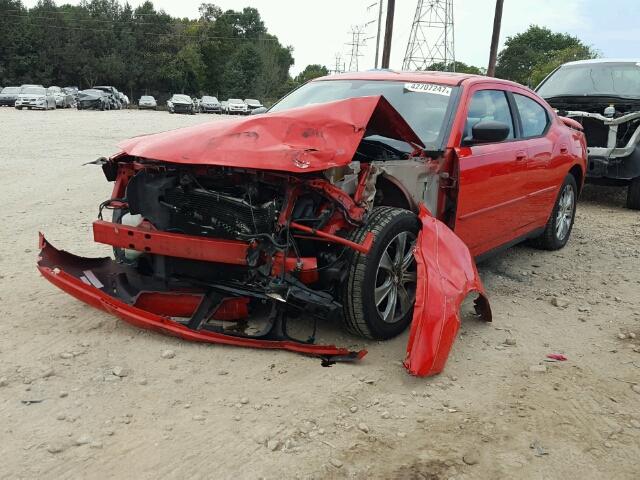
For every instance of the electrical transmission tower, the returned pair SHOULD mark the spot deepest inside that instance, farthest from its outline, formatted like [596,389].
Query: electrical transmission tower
[358,41]
[431,39]
[339,64]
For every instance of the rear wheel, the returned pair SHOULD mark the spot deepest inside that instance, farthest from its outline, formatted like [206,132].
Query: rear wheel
[560,223]
[380,290]
[633,194]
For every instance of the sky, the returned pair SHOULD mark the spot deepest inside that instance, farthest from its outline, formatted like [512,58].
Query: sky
[319,29]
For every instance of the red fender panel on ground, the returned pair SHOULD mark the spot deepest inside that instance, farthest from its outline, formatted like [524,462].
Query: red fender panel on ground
[446,275]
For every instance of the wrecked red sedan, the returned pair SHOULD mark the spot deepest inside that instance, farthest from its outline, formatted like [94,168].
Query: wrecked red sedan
[363,197]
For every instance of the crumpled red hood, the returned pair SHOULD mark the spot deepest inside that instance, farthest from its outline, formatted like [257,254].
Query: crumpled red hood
[310,138]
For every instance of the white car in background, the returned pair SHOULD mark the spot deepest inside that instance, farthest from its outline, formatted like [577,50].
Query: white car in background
[34,97]
[147,102]
[236,106]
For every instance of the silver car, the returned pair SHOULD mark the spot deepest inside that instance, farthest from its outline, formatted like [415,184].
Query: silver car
[63,99]
[147,101]
[35,97]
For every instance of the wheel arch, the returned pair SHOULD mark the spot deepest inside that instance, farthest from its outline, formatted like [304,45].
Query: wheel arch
[578,174]
[394,194]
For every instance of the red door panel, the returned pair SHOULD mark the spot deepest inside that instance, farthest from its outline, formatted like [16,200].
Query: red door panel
[491,206]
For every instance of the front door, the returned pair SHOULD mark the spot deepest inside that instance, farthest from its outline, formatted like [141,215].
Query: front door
[491,178]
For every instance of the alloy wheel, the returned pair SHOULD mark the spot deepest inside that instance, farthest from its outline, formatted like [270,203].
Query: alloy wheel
[396,278]
[565,212]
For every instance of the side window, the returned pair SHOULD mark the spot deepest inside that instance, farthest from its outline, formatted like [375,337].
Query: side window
[489,105]
[532,115]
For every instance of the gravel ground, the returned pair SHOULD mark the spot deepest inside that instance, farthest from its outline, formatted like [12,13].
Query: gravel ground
[83,395]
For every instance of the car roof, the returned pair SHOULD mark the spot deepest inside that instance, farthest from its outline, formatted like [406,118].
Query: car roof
[603,60]
[444,78]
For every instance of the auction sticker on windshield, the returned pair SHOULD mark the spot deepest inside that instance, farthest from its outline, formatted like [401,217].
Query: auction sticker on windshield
[428,88]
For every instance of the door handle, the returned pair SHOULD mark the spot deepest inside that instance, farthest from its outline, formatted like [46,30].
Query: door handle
[564,149]
[521,155]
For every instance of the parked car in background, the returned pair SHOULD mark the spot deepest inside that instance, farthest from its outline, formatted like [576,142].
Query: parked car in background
[124,100]
[209,105]
[8,96]
[35,97]
[362,197]
[224,106]
[93,98]
[113,96]
[28,85]
[236,106]
[253,104]
[147,102]
[71,90]
[179,103]
[63,99]
[604,96]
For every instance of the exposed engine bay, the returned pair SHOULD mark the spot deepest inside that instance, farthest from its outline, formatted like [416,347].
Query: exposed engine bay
[612,130]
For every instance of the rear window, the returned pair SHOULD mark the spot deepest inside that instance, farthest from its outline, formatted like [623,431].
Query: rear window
[533,116]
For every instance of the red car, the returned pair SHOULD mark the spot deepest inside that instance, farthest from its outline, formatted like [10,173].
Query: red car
[361,197]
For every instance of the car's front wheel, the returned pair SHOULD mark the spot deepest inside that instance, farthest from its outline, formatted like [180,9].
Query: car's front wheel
[380,289]
[633,194]
[558,229]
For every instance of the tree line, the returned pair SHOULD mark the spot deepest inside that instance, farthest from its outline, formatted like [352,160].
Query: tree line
[224,53]
[143,50]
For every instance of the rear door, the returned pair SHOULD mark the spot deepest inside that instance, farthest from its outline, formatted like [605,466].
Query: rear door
[491,204]
[541,184]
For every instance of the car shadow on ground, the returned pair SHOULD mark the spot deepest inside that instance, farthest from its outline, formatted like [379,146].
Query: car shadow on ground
[605,196]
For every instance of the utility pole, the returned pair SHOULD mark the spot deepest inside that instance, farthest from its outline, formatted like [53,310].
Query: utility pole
[380,4]
[388,34]
[432,36]
[495,38]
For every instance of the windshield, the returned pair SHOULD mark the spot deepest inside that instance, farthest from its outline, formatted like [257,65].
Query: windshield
[617,79]
[251,101]
[34,90]
[55,89]
[209,99]
[11,90]
[422,105]
[182,98]
[92,91]
[235,100]
[146,97]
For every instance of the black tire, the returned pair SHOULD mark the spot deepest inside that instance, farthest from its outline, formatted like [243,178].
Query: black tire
[367,276]
[555,236]
[633,194]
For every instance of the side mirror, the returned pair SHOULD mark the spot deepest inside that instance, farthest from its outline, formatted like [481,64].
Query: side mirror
[487,131]
[258,111]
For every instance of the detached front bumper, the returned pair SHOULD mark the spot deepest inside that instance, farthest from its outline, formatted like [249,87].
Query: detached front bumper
[101,283]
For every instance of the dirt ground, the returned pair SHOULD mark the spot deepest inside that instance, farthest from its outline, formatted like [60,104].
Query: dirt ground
[498,411]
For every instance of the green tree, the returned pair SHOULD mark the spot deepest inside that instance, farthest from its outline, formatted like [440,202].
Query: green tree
[142,50]
[459,67]
[310,72]
[535,50]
